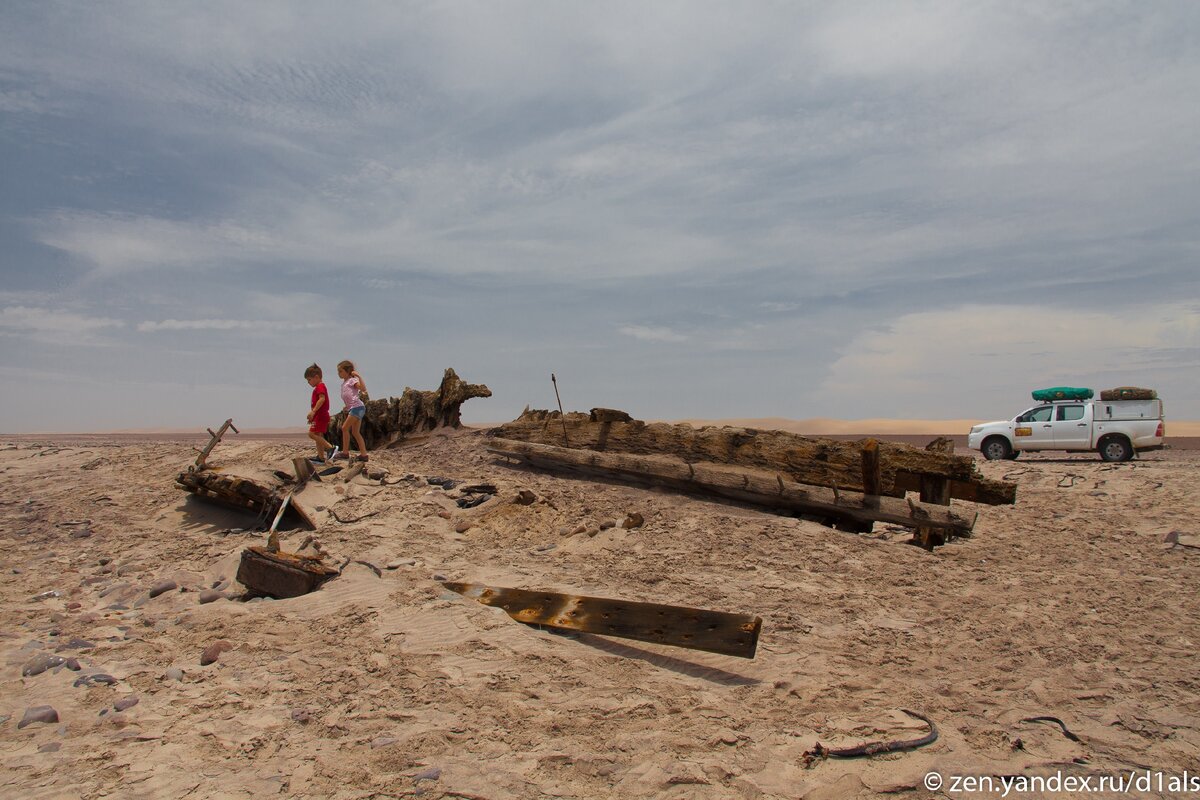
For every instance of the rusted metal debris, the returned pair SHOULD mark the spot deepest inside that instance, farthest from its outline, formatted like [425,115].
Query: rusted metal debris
[281,575]
[820,751]
[679,626]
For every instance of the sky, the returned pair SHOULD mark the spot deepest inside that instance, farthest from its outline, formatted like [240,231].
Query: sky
[681,209]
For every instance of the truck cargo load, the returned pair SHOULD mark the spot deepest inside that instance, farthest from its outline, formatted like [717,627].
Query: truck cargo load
[1061,393]
[1128,393]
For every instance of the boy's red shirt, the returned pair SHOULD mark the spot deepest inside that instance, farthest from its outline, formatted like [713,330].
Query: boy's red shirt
[322,414]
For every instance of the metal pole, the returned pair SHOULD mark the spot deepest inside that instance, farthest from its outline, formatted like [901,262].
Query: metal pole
[561,415]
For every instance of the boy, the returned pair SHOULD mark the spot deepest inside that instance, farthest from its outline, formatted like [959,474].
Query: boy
[318,415]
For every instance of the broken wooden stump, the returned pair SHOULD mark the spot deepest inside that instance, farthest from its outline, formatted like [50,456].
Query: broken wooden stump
[391,420]
[679,626]
[736,483]
[802,459]
[281,575]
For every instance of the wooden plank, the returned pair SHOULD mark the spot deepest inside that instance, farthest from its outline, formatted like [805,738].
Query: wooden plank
[936,490]
[678,626]
[752,486]
[803,459]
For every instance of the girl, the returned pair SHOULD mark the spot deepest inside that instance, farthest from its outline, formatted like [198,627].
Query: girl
[352,386]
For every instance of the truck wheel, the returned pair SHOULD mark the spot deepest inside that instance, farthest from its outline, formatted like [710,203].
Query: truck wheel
[1115,448]
[996,448]
[1013,456]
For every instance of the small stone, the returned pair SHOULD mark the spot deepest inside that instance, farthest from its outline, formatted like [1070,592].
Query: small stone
[78,644]
[98,677]
[173,674]
[34,714]
[116,587]
[102,562]
[525,498]
[40,664]
[580,528]
[431,774]
[383,741]
[213,652]
[73,606]
[50,747]
[210,596]
[47,595]
[81,533]
[162,588]
[437,576]
[462,527]
[126,702]
[543,548]
[633,520]
[444,514]
[608,523]
[301,715]
[592,530]
[72,664]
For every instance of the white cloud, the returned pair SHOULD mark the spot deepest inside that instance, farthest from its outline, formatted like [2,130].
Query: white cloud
[226,325]
[652,334]
[55,326]
[978,357]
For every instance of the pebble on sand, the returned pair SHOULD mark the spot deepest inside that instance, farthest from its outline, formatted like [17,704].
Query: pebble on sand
[126,702]
[50,747]
[383,741]
[213,652]
[162,588]
[633,520]
[211,595]
[38,714]
[173,674]
[431,774]
[40,664]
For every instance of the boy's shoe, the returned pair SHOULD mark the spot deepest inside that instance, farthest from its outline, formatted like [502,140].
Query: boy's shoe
[331,455]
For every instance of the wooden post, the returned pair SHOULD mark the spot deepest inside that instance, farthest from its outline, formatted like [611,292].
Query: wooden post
[936,490]
[872,474]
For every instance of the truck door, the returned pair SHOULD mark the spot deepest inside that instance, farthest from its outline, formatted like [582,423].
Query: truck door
[1034,429]
[1072,426]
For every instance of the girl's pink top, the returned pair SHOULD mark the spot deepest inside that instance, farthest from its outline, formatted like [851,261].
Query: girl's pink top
[350,393]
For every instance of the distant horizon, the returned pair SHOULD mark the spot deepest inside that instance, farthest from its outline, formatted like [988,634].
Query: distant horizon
[815,426]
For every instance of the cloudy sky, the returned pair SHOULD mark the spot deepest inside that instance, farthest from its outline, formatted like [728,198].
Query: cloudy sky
[692,209]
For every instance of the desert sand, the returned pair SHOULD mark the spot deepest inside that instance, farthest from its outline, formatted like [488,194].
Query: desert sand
[1079,602]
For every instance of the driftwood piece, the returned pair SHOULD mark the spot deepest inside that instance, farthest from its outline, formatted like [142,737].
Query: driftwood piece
[801,459]
[390,420]
[680,626]
[243,494]
[748,485]
[280,574]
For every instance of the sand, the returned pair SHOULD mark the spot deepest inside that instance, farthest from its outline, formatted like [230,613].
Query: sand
[1079,602]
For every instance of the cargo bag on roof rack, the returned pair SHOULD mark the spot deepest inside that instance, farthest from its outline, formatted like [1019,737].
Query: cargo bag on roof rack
[1128,393]
[1061,393]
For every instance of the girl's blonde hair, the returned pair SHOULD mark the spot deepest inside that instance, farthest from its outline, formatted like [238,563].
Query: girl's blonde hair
[346,365]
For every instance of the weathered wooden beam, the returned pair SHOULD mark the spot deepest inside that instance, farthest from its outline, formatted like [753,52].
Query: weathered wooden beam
[240,493]
[753,486]
[802,459]
[679,626]
[280,574]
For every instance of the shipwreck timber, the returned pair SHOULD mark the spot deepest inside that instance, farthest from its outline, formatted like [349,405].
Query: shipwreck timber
[393,419]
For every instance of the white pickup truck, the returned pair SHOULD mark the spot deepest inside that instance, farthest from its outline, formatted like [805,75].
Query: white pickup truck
[1117,429]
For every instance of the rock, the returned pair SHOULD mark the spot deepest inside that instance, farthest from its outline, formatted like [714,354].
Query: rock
[173,674]
[77,644]
[444,514]
[633,520]
[431,774]
[34,714]
[73,606]
[608,523]
[213,652]
[116,587]
[126,702]
[81,533]
[543,548]
[162,588]
[40,664]
[211,596]
[104,561]
[402,562]
[46,595]
[383,741]
[50,747]
[592,530]
[94,678]
[580,528]
[301,715]
[525,498]
[72,664]
[462,527]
